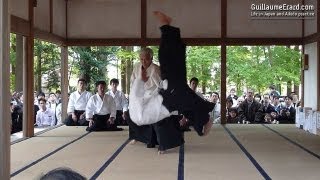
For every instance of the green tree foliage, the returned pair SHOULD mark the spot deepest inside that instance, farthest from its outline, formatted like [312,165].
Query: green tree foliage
[258,67]
[47,65]
[12,57]
[203,62]
[91,63]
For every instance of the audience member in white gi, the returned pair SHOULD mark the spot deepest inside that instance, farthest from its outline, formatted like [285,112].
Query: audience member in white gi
[215,113]
[250,110]
[121,102]
[45,116]
[101,110]
[77,105]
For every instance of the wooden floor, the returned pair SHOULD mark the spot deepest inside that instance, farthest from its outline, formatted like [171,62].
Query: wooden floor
[229,152]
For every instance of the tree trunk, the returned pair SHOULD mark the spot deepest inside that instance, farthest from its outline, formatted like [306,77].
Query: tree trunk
[39,73]
[289,87]
[123,72]
[128,74]
[19,64]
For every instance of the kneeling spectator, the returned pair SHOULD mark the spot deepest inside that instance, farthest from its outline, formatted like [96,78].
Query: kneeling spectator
[101,111]
[77,105]
[45,116]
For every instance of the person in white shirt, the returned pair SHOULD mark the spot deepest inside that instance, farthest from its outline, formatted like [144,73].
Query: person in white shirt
[121,102]
[215,113]
[101,111]
[77,105]
[45,116]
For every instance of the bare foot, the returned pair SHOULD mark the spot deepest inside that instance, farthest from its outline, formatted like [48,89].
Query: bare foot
[132,142]
[161,152]
[207,127]
[163,19]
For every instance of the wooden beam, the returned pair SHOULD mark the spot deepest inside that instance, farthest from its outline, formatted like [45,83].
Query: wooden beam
[311,38]
[318,57]
[188,41]
[104,42]
[223,77]
[5,117]
[64,81]
[46,36]
[28,83]
[19,26]
[143,22]
[263,41]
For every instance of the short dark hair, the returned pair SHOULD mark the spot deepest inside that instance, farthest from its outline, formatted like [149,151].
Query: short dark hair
[233,109]
[289,97]
[101,82]
[114,80]
[41,94]
[42,99]
[83,80]
[272,87]
[194,79]
[216,93]
[229,99]
[62,174]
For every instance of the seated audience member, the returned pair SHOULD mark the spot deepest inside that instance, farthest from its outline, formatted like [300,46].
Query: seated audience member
[215,113]
[239,101]
[276,103]
[16,117]
[194,84]
[62,174]
[77,105]
[233,94]
[288,112]
[45,116]
[121,102]
[267,107]
[250,110]
[101,110]
[229,104]
[233,117]
[295,101]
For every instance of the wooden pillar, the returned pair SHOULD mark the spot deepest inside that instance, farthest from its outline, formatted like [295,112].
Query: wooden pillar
[19,63]
[5,117]
[318,56]
[28,79]
[223,52]
[64,81]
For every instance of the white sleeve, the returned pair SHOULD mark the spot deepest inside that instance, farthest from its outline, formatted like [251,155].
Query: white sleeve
[113,107]
[71,103]
[133,75]
[124,103]
[53,120]
[38,119]
[90,108]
